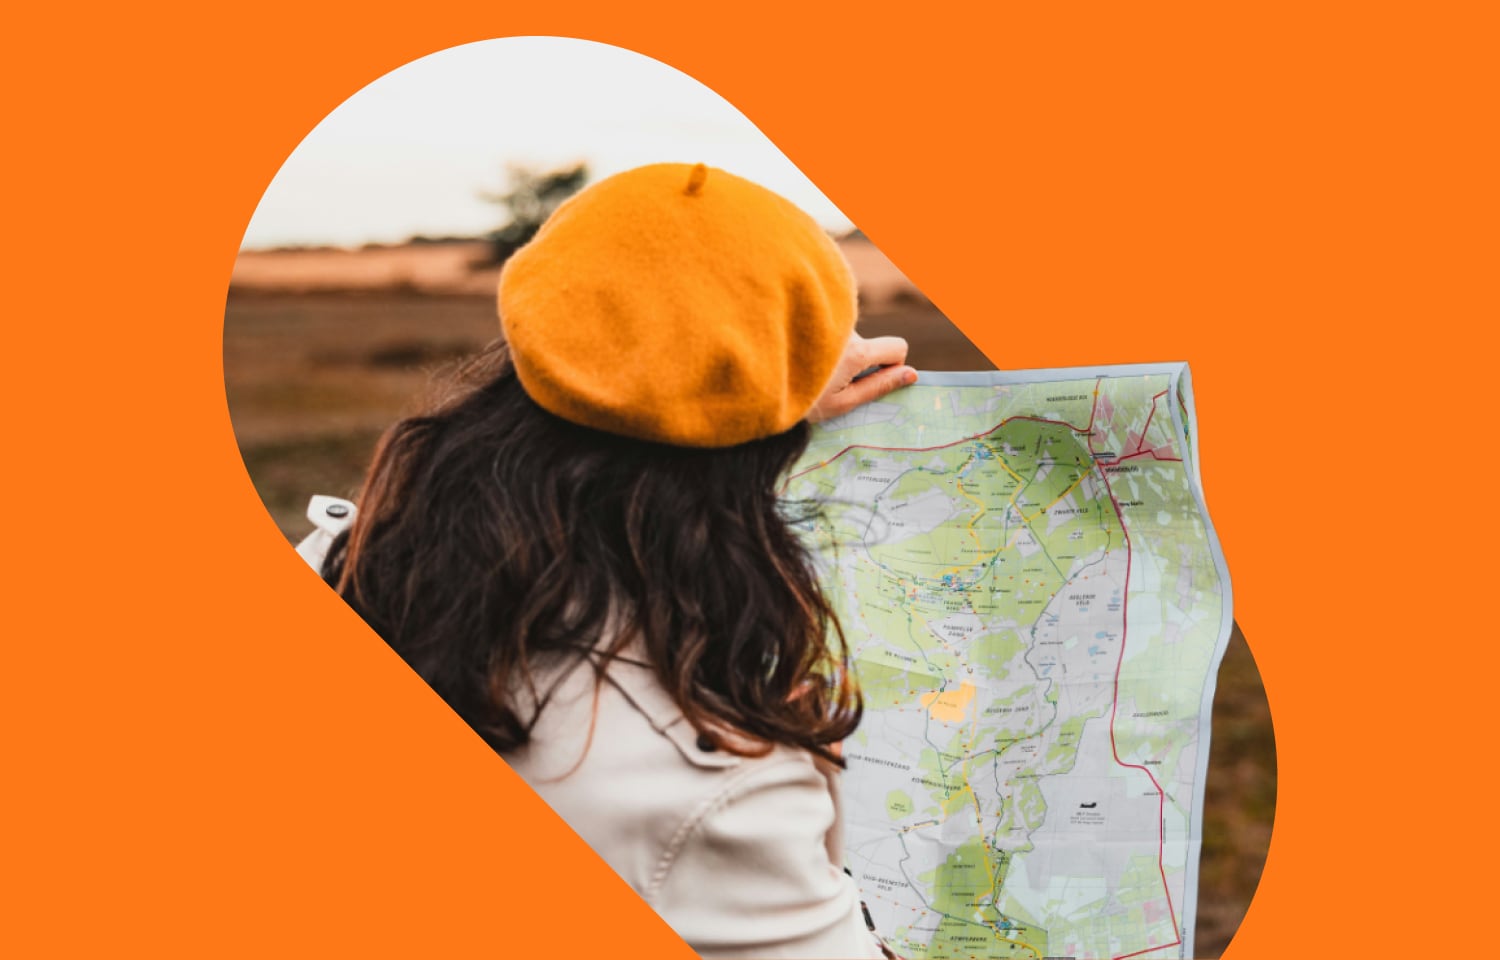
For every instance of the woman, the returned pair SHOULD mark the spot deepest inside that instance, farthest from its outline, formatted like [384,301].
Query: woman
[582,549]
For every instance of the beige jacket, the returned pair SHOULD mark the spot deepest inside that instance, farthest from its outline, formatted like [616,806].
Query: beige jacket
[740,855]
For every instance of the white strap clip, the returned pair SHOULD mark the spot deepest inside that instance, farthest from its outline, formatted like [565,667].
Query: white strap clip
[330,516]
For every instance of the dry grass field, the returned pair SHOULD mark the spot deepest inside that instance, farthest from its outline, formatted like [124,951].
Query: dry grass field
[323,349]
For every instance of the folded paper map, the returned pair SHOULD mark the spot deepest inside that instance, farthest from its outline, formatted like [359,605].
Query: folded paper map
[1037,605]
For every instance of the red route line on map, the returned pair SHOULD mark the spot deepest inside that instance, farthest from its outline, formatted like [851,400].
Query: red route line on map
[1142,441]
[1145,453]
[1149,417]
[1161,795]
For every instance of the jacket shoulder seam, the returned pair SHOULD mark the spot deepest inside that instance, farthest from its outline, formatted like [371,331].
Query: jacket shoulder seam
[700,815]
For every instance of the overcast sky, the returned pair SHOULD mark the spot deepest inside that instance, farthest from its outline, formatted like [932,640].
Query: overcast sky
[412,151]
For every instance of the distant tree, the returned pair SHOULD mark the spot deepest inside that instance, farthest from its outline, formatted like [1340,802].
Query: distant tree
[532,197]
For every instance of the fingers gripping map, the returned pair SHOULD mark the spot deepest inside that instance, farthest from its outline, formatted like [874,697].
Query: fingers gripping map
[1036,603]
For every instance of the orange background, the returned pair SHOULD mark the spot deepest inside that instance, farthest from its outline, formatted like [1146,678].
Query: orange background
[209,753]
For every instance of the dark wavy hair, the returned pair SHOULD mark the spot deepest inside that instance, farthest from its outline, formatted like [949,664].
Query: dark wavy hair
[493,535]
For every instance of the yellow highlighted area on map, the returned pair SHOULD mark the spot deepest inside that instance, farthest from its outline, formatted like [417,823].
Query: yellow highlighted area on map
[949,706]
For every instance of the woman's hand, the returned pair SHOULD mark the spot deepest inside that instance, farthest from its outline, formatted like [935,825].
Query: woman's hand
[844,393]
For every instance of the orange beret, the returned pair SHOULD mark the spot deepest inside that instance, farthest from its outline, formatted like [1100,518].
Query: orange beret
[679,304]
